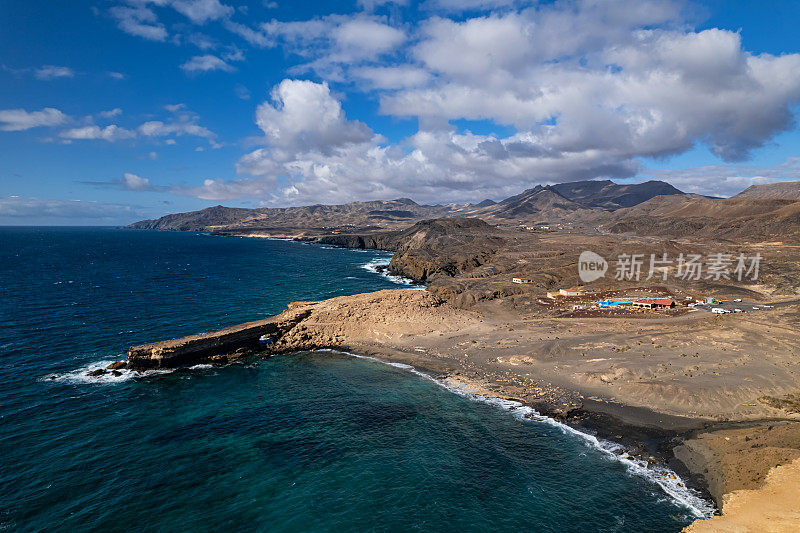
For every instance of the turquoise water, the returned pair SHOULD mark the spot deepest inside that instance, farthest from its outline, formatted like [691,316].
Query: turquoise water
[306,442]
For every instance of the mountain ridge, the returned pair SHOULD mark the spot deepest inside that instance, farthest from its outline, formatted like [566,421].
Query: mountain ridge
[560,202]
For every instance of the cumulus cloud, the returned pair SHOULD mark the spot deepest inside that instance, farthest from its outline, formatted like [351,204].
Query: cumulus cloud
[303,116]
[320,154]
[109,133]
[614,77]
[19,119]
[580,89]
[51,72]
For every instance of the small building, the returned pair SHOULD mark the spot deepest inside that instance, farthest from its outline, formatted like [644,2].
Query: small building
[521,280]
[655,303]
[571,292]
[709,300]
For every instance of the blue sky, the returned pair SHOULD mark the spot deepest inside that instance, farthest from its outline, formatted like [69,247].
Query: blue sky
[117,110]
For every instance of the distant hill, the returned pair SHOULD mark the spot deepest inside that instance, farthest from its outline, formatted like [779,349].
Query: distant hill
[609,195]
[788,190]
[574,202]
[197,220]
[540,204]
[485,203]
[735,219]
[362,214]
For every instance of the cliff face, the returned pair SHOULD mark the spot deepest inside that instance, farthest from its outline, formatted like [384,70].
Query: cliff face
[448,247]
[342,323]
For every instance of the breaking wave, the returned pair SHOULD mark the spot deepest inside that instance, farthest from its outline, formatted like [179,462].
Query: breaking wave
[375,264]
[666,479]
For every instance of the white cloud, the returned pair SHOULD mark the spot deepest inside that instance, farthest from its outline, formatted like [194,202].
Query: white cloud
[323,156]
[583,89]
[304,116]
[329,44]
[206,63]
[140,21]
[361,38]
[132,182]
[598,76]
[109,133]
[111,113]
[19,119]
[202,41]
[399,77]
[253,37]
[116,75]
[182,123]
[51,72]
[202,11]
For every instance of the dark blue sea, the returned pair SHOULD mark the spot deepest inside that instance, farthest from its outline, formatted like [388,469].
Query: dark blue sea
[320,441]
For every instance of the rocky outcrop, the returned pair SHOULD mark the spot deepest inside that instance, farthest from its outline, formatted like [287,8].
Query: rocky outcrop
[341,322]
[220,346]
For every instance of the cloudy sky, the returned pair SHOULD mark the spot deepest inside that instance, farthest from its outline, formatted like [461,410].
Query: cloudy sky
[116,110]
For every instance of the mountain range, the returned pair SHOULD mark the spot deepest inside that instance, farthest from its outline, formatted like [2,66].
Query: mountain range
[649,208]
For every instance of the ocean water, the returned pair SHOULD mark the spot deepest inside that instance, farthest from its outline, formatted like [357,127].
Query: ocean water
[320,441]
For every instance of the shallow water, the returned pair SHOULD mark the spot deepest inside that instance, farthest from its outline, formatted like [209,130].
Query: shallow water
[310,441]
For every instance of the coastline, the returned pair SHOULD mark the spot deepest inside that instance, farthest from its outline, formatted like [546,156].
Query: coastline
[472,351]
[596,376]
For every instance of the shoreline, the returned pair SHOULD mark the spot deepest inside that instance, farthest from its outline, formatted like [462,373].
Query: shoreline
[485,354]
[695,498]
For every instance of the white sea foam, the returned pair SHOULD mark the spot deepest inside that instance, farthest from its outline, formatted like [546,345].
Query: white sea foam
[80,376]
[373,265]
[667,480]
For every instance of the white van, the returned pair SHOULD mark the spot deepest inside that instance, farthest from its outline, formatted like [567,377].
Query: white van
[718,310]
